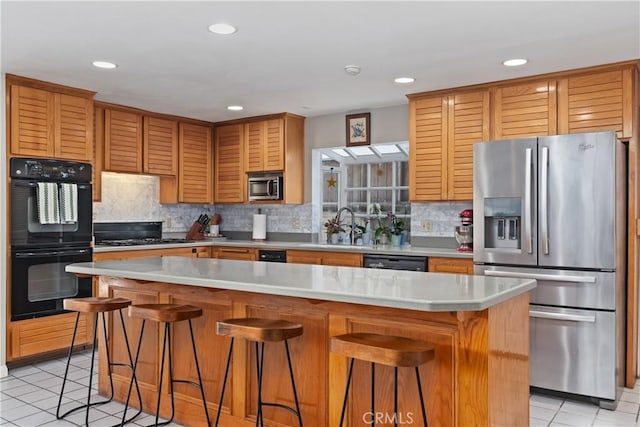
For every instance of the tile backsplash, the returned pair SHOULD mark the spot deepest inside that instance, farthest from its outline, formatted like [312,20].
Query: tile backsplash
[129,197]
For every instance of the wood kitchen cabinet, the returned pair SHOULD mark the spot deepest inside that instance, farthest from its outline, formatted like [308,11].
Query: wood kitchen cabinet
[597,101]
[264,146]
[122,141]
[195,169]
[230,180]
[160,146]
[48,120]
[450,265]
[259,144]
[191,251]
[525,109]
[325,258]
[243,254]
[442,132]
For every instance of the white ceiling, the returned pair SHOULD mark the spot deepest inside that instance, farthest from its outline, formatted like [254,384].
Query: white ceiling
[290,56]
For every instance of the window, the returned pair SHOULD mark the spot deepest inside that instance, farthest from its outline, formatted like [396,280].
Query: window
[360,180]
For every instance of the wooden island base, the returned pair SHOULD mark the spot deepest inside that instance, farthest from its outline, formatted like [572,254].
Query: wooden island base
[478,377]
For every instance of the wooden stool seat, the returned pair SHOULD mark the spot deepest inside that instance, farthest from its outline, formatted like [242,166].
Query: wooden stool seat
[258,329]
[165,312]
[95,304]
[384,349]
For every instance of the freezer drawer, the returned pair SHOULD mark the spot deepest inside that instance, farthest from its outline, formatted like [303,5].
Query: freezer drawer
[573,351]
[567,288]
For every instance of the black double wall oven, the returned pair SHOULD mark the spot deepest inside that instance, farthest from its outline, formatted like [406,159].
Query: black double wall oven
[51,227]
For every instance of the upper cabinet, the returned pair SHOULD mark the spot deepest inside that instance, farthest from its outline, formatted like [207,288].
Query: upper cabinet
[47,120]
[259,144]
[122,141]
[596,101]
[525,109]
[229,170]
[160,146]
[442,132]
[264,145]
[443,125]
[195,177]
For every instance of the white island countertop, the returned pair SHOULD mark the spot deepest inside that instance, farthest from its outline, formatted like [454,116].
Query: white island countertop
[385,288]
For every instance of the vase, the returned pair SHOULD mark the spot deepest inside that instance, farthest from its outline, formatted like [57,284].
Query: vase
[383,239]
[403,237]
[334,238]
[395,240]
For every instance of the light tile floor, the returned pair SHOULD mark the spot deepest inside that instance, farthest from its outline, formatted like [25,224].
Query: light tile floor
[29,396]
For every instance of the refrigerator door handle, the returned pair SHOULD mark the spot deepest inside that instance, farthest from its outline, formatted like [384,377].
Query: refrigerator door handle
[546,277]
[562,316]
[544,211]
[528,244]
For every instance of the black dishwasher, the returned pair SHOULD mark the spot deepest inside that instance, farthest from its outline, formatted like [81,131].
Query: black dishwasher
[272,255]
[395,262]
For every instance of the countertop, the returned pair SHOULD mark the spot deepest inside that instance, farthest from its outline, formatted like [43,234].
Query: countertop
[385,288]
[387,249]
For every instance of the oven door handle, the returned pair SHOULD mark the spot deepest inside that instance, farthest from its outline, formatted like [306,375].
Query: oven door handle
[562,316]
[51,253]
[20,183]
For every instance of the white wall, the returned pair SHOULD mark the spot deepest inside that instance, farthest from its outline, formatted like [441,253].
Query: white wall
[388,124]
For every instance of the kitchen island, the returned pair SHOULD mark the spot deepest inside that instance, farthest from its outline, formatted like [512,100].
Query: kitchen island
[478,325]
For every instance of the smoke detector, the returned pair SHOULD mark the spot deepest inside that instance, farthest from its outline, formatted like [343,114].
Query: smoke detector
[352,70]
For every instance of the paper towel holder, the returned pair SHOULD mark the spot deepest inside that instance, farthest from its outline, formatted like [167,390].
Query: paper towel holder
[259,233]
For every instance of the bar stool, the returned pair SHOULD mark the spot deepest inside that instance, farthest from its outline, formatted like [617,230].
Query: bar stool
[97,305]
[167,313]
[260,331]
[387,350]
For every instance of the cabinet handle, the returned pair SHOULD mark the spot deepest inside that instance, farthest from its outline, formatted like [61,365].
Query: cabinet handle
[237,251]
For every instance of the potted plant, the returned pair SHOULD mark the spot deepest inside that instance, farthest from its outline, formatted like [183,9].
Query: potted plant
[397,228]
[334,228]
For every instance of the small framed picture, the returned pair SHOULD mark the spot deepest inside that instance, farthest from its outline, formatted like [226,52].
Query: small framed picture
[358,129]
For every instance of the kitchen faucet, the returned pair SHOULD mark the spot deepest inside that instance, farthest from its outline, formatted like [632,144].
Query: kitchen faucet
[353,221]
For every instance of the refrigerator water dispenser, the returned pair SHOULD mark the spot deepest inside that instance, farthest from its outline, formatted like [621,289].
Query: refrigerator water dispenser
[502,220]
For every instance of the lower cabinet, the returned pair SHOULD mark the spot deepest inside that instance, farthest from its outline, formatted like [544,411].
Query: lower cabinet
[44,334]
[450,265]
[194,252]
[242,254]
[325,258]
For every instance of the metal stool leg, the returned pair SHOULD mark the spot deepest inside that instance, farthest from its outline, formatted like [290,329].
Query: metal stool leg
[133,376]
[195,357]
[395,396]
[224,381]
[346,393]
[373,391]
[293,383]
[424,412]
[133,373]
[260,366]
[66,371]
[164,349]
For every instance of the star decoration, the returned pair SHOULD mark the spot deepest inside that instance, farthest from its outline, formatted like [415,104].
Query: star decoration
[331,182]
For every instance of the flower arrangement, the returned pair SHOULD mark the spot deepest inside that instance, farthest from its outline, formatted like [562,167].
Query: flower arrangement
[333,225]
[388,225]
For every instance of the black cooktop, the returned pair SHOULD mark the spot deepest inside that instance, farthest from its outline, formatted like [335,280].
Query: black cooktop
[131,234]
[136,242]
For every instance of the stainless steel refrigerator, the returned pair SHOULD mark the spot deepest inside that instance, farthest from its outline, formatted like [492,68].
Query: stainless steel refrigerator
[554,209]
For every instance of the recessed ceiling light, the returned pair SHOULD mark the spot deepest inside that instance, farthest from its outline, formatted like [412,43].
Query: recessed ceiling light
[352,70]
[222,28]
[514,62]
[404,80]
[235,107]
[104,64]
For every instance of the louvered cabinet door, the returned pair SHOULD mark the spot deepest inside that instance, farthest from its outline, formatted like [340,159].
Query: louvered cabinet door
[32,122]
[160,146]
[596,102]
[123,141]
[73,127]
[253,146]
[229,170]
[274,145]
[527,109]
[468,123]
[195,183]
[428,149]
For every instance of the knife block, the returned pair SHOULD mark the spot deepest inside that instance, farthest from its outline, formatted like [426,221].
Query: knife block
[194,232]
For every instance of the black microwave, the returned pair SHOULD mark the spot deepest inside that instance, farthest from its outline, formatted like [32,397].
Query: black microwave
[265,187]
